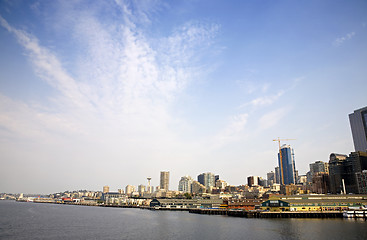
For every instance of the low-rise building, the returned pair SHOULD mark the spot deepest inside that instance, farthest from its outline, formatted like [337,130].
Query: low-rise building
[186,203]
[314,202]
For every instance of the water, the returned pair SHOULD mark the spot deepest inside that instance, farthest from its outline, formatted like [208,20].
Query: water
[19,220]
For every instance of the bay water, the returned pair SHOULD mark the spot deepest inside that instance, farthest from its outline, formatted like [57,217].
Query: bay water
[22,220]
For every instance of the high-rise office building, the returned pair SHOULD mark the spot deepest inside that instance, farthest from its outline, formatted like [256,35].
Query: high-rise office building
[337,172]
[271,178]
[207,179]
[319,166]
[287,168]
[184,184]
[253,181]
[358,124]
[164,181]
[277,175]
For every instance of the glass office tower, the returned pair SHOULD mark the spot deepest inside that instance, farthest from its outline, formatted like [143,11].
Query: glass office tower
[287,168]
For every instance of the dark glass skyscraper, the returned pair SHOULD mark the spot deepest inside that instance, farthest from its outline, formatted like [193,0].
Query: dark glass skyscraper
[287,167]
[358,124]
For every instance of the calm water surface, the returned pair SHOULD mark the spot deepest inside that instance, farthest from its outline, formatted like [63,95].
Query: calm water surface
[20,220]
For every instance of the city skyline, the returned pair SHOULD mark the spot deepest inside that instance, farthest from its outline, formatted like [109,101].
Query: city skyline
[121,90]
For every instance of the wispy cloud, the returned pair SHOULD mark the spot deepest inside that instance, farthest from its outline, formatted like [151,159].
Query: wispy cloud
[122,82]
[340,40]
[263,100]
[47,66]
[272,118]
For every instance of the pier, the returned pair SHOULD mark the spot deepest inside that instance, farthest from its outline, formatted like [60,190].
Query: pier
[259,214]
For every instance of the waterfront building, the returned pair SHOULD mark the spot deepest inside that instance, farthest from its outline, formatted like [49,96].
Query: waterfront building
[253,181]
[113,198]
[164,180]
[184,184]
[314,202]
[186,203]
[358,124]
[243,204]
[287,168]
[207,179]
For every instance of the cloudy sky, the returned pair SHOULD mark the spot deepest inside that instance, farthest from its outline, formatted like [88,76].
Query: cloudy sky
[97,93]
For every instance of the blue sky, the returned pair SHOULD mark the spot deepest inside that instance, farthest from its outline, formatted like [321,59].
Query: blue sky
[111,92]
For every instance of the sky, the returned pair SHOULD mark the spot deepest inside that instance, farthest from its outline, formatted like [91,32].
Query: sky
[96,93]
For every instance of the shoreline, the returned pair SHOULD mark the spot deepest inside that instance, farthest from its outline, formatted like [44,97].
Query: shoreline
[228,212]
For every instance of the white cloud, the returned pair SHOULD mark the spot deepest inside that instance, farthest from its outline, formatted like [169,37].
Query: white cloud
[264,100]
[272,118]
[339,41]
[115,92]
[121,77]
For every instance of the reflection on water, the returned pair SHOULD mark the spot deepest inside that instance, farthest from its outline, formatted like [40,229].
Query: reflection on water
[40,221]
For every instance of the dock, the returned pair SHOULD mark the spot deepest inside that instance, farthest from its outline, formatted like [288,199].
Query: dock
[260,214]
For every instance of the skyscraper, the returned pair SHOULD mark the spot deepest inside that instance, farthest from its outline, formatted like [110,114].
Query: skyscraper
[358,124]
[164,181]
[252,181]
[287,167]
[277,175]
[207,179]
[271,178]
[185,184]
[336,172]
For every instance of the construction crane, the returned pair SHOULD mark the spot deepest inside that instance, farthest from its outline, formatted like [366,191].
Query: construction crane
[280,156]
